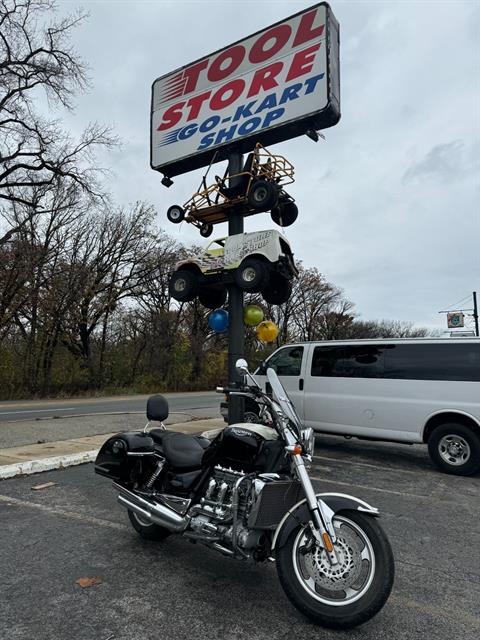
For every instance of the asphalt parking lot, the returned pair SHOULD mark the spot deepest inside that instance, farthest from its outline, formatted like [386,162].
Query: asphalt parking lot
[52,537]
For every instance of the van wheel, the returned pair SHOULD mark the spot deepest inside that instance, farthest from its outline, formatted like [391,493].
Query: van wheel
[455,448]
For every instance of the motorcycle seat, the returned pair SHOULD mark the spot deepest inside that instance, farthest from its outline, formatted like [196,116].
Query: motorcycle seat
[181,450]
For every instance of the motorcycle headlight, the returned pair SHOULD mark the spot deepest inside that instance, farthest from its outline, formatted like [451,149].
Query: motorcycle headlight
[308,440]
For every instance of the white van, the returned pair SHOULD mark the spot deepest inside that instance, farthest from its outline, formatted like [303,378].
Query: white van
[412,391]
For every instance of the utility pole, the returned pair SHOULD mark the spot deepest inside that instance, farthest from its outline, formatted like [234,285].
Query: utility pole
[475,312]
[236,340]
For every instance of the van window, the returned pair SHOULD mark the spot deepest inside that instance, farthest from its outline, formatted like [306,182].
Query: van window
[433,362]
[351,361]
[287,362]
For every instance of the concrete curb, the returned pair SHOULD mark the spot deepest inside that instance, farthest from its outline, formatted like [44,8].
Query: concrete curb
[46,464]
[40,462]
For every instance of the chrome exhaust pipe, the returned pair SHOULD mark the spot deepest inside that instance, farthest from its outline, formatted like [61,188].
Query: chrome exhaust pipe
[152,511]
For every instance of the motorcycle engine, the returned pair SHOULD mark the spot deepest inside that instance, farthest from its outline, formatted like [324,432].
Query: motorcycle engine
[214,515]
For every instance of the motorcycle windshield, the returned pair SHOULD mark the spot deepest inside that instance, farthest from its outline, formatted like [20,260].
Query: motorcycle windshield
[281,396]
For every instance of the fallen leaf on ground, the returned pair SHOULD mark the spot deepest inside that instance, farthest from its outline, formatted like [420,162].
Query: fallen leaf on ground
[88,582]
[45,485]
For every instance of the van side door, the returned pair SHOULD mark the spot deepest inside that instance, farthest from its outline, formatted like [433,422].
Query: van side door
[342,387]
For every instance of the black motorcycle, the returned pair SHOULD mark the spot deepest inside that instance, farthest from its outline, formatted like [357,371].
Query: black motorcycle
[245,491]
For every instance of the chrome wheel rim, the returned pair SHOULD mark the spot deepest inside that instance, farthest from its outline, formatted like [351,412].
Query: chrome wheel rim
[331,585]
[454,450]
[175,214]
[249,274]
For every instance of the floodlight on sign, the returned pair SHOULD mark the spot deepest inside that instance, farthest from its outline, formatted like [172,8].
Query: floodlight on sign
[277,84]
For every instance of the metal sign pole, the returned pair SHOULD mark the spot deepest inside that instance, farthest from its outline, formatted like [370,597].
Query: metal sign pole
[236,342]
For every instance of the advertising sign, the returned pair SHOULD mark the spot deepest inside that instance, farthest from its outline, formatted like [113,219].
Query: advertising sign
[271,86]
[456,319]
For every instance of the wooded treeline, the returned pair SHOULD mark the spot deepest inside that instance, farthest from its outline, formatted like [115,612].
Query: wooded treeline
[84,303]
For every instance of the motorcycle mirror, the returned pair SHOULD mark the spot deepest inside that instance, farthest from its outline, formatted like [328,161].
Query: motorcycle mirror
[241,366]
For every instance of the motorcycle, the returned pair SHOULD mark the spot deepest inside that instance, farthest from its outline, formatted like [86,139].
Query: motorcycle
[245,492]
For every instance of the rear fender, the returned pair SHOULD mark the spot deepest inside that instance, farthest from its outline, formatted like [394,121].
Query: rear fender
[300,513]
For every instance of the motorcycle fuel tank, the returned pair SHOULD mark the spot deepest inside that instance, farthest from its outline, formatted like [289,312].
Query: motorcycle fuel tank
[248,447]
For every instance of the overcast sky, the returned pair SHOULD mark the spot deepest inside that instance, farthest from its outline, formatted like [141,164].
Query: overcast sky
[389,203]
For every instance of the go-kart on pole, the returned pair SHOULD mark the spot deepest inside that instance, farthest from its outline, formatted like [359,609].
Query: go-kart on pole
[236,341]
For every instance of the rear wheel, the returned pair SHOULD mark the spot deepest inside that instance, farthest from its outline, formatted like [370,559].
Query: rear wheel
[175,214]
[263,195]
[252,275]
[212,298]
[278,290]
[343,595]
[455,449]
[147,530]
[183,285]
[285,214]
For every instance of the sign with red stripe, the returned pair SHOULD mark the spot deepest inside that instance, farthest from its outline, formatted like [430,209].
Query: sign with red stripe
[269,87]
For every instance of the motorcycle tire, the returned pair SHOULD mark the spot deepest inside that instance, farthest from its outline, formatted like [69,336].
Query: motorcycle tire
[147,530]
[365,575]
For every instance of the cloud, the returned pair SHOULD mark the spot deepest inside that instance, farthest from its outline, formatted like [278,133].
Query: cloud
[444,162]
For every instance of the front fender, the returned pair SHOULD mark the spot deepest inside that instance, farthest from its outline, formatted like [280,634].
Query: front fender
[300,514]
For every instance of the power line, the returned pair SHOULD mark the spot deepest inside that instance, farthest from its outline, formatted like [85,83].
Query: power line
[452,306]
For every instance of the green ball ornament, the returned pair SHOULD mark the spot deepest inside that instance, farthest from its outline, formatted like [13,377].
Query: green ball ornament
[252,315]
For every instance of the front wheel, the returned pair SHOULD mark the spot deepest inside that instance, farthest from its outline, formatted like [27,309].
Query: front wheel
[343,595]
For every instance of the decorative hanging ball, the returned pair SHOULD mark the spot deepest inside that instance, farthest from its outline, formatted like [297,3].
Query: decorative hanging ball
[218,320]
[252,315]
[267,331]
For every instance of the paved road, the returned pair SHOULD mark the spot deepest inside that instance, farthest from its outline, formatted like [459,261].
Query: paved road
[175,590]
[32,409]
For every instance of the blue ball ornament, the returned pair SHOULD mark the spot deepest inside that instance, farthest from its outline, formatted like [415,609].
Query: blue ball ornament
[218,320]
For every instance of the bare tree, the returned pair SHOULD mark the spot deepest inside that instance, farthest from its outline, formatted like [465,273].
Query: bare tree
[39,65]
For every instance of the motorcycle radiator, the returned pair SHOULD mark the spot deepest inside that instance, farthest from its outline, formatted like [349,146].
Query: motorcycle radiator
[275,499]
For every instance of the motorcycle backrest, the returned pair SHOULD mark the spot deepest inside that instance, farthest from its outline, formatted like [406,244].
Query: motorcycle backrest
[157,408]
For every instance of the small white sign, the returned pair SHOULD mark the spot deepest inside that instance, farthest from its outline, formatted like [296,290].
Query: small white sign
[456,319]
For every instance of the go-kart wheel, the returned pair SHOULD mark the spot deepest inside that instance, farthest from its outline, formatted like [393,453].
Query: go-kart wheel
[278,290]
[285,214]
[206,229]
[183,285]
[212,298]
[263,195]
[252,275]
[175,214]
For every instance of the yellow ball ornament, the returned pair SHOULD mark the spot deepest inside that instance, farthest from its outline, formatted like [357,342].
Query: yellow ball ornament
[267,331]
[252,315]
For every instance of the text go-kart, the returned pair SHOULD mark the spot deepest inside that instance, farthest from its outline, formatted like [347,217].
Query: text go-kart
[261,261]
[258,187]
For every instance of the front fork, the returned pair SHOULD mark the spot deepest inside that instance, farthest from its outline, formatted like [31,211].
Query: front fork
[322,526]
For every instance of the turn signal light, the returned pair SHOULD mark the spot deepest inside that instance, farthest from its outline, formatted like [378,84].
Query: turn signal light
[297,450]
[328,542]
